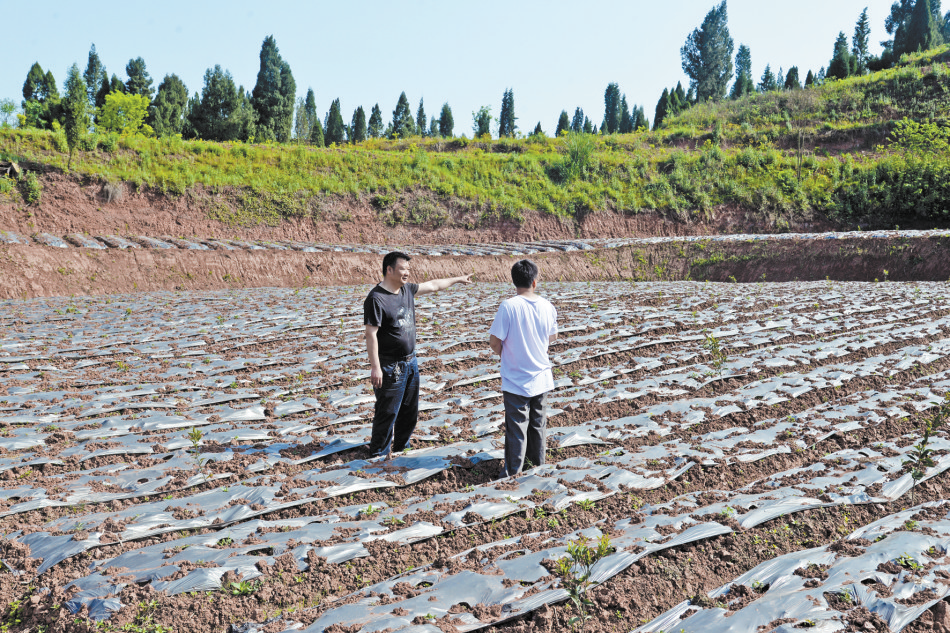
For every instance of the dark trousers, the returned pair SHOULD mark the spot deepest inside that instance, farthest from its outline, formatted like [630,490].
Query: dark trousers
[397,407]
[526,420]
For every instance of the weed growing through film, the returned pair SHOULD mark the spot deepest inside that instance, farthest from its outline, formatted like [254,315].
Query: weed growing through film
[575,569]
[921,455]
[194,436]
[719,356]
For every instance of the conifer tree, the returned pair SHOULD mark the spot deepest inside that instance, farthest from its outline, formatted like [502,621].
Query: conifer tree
[139,81]
[421,119]
[481,122]
[301,125]
[274,94]
[33,86]
[446,122]
[537,130]
[792,81]
[316,134]
[662,109]
[626,121]
[588,126]
[577,123]
[74,106]
[707,55]
[104,89]
[333,131]
[402,125]
[212,118]
[922,29]
[641,122]
[563,124]
[768,82]
[810,79]
[744,84]
[434,127]
[358,126]
[116,85]
[375,128]
[612,108]
[166,114]
[95,71]
[50,91]
[506,120]
[860,43]
[681,97]
[840,66]
[310,112]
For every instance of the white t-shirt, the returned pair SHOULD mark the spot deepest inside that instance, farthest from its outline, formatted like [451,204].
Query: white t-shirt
[523,326]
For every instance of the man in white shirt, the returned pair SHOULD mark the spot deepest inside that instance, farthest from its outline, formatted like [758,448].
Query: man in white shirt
[522,330]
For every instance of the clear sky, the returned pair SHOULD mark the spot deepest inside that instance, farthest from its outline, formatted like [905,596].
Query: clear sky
[554,55]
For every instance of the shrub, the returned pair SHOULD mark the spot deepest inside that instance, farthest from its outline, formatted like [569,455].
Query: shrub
[30,187]
[109,142]
[59,142]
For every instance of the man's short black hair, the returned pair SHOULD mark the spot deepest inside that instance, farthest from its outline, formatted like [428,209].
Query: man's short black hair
[391,258]
[523,273]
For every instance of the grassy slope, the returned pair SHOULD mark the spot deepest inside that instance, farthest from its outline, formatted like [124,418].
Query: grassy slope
[742,153]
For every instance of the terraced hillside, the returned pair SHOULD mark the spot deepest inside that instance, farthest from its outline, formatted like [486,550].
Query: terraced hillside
[747,455]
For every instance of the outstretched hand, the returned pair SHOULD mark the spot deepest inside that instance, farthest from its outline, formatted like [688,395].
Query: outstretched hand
[467,279]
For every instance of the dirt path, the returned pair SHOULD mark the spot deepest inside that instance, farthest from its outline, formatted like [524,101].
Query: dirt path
[32,271]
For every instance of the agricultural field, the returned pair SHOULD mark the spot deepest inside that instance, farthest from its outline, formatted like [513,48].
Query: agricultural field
[721,457]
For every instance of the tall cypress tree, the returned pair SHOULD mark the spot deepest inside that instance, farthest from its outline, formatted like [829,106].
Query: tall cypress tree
[840,66]
[563,124]
[93,76]
[375,127]
[707,55]
[33,86]
[626,121]
[577,123]
[333,131]
[792,81]
[74,106]
[588,127]
[358,126]
[640,120]
[744,84]
[310,111]
[612,108]
[506,120]
[434,127]
[212,118]
[274,94]
[662,109]
[922,30]
[316,134]
[139,82]
[446,122]
[166,114]
[50,91]
[810,79]
[537,130]
[402,125]
[768,82]
[860,43]
[421,120]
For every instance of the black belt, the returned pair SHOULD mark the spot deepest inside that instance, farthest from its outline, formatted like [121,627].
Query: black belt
[396,359]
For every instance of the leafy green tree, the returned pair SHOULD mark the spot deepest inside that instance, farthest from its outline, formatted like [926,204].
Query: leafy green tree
[310,111]
[125,113]
[446,122]
[840,66]
[215,116]
[860,43]
[421,119]
[95,73]
[316,134]
[7,109]
[333,131]
[166,115]
[768,82]
[358,126]
[274,94]
[74,106]
[245,118]
[139,81]
[792,81]
[577,123]
[626,122]
[707,55]
[563,124]
[744,84]
[402,125]
[481,121]
[507,118]
[662,109]
[375,128]
[612,108]
[41,102]
[301,124]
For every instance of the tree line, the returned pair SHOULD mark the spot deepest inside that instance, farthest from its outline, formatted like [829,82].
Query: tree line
[224,111]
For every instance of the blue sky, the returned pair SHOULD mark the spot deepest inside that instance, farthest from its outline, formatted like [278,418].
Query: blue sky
[554,55]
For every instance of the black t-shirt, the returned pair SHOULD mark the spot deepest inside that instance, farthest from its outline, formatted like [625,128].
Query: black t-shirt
[395,316]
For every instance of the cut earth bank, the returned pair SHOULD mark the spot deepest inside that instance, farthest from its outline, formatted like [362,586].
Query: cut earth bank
[33,271]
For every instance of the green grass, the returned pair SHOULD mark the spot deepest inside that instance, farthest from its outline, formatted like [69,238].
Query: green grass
[742,153]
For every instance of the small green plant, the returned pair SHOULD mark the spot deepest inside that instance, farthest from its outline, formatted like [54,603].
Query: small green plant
[243,588]
[575,569]
[921,455]
[194,436]
[30,187]
[586,504]
[719,356]
[907,561]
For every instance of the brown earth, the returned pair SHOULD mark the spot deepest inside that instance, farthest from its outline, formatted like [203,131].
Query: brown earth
[32,271]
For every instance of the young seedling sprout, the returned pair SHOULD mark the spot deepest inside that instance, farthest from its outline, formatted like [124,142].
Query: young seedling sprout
[921,455]
[575,569]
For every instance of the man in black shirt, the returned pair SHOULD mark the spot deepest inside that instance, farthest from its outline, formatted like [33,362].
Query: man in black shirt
[389,314]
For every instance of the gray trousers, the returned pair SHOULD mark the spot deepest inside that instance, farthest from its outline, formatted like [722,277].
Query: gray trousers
[526,421]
